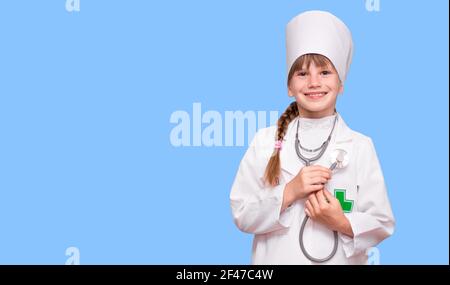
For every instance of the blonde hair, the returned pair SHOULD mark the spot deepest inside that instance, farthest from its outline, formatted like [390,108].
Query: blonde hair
[273,168]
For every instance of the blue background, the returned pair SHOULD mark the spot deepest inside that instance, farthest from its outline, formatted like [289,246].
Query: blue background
[85,102]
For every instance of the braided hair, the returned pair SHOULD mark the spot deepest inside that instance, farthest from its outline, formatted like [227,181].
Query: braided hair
[273,167]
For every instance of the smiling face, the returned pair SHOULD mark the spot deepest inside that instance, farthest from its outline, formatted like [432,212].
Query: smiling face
[315,84]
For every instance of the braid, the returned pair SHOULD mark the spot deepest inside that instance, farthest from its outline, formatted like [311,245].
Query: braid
[290,114]
[273,166]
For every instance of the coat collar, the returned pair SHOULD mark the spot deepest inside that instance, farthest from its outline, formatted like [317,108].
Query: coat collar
[290,162]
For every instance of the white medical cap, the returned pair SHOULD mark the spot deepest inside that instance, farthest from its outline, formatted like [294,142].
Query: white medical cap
[322,33]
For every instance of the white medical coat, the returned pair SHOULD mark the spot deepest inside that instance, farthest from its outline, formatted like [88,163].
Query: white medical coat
[256,206]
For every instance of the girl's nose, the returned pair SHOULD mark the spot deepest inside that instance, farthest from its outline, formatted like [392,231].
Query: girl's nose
[314,81]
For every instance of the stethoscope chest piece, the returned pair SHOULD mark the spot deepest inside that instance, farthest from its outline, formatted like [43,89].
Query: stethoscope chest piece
[340,158]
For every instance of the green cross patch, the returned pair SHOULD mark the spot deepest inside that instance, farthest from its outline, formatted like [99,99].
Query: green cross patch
[347,205]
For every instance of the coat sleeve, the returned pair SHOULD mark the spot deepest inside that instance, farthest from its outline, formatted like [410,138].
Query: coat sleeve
[373,220]
[255,207]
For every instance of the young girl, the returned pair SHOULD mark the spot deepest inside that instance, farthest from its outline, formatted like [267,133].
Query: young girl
[310,189]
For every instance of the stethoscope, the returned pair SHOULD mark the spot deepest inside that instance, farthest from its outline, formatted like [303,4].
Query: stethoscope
[339,159]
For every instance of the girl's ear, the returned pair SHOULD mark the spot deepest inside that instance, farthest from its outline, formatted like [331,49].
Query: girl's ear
[289,92]
[341,88]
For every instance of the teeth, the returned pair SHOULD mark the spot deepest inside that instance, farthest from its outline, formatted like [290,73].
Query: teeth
[315,95]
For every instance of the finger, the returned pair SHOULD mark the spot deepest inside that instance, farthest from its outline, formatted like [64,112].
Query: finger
[314,188]
[307,212]
[315,204]
[329,197]
[319,173]
[323,202]
[317,168]
[309,208]
[317,180]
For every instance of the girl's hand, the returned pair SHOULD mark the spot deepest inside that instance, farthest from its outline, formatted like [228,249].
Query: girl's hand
[326,209]
[309,180]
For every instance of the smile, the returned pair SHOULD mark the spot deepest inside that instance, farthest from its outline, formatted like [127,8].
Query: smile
[315,95]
